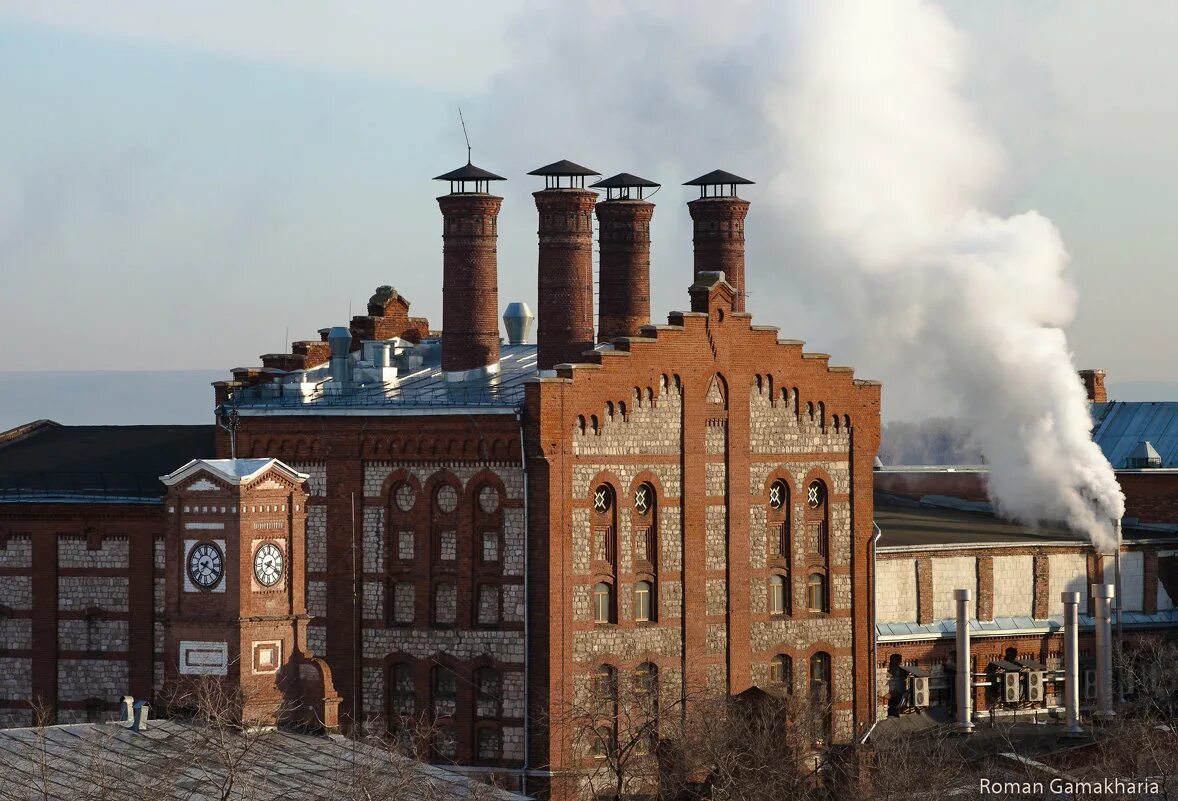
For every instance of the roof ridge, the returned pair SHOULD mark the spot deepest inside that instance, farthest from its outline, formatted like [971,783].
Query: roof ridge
[26,430]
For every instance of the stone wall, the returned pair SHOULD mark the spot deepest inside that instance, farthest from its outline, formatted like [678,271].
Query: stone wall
[79,679]
[74,552]
[895,590]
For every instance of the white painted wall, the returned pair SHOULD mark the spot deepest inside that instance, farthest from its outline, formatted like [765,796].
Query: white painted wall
[1132,581]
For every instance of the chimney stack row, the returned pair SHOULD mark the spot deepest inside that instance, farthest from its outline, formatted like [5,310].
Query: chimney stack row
[470,296]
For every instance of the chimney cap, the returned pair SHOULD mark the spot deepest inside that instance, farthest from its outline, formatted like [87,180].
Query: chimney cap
[469,173]
[563,168]
[718,179]
[617,187]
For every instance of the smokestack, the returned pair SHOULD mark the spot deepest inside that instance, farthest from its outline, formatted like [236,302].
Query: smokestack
[1071,662]
[339,339]
[1103,596]
[718,224]
[1094,385]
[964,723]
[518,319]
[623,290]
[565,280]
[470,282]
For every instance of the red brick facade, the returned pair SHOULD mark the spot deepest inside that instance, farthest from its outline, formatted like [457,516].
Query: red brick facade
[718,226]
[565,275]
[470,284]
[624,280]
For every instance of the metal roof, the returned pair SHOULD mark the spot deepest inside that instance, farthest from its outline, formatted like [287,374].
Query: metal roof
[562,168]
[900,631]
[469,172]
[424,391]
[1120,426]
[176,760]
[50,462]
[717,177]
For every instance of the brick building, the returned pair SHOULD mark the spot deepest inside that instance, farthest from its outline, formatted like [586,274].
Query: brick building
[470,529]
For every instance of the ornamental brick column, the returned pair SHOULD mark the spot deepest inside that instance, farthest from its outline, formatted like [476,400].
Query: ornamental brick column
[565,280]
[718,235]
[470,283]
[624,288]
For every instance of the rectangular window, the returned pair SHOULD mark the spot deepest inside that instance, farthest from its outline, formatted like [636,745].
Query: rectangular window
[642,603]
[602,606]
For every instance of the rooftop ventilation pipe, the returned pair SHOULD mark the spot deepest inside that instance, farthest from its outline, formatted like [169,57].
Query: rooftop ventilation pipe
[339,339]
[518,319]
[1071,662]
[1103,597]
[142,712]
[126,703]
[964,724]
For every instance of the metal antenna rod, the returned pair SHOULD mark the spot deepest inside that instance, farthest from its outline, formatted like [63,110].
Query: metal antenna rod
[464,134]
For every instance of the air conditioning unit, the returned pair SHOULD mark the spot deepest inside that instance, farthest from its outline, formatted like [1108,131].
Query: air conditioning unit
[1089,685]
[920,691]
[1012,689]
[1035,685]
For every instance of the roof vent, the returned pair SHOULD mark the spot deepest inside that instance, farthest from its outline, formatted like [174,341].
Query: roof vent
[1143,457]
[339,339]
[518,319]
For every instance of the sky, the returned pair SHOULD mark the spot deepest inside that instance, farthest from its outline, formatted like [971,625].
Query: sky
[187,186]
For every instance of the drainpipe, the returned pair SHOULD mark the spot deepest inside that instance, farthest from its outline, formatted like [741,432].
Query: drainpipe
[964,724]
[1071,663]
[523,463]
[1120,698]
[874,629]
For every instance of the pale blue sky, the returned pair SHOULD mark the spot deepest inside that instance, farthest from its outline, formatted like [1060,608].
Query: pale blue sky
[180,183]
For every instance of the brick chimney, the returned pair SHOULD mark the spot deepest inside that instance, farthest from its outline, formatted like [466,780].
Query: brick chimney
[565,281]
[470,284]
[623,291]
[1094,385]
[717,217]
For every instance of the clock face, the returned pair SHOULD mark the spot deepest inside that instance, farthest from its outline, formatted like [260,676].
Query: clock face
[268,565]
[205,565]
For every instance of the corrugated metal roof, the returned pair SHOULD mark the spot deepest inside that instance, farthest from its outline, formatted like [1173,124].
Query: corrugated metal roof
[178,760]
[424,388]
[1120,426]
[895,631]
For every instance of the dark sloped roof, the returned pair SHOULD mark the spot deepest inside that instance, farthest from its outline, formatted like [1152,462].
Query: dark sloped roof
[621,181]
[562,168]
[717,177]
[469,172]
[52,460]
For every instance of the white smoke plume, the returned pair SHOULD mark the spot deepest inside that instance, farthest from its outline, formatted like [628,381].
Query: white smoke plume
[879,177]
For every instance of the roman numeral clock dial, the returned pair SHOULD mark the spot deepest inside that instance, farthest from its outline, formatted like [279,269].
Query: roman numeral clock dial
[268,565]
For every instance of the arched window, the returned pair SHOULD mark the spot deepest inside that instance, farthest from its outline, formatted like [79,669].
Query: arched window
[402,692]
[603,603]
[604,535]
[645,525]
[445,691]
[817,518]
[778,531]
[778,598]
[820,693]
[781,671]
[488,690]
[643,601]
[816,593]
[605,690]
[646,679]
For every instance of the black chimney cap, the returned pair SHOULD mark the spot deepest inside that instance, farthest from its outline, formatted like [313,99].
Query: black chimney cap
[563,168]
[622,180]
[469,172]
[717,177]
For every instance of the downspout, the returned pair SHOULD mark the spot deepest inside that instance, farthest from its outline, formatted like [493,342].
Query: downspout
[874,631]
[523,463]
[1120,601]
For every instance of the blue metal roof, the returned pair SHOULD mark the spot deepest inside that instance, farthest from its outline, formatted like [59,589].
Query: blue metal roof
[1120,426]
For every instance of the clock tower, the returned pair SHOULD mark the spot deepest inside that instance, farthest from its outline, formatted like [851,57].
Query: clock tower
[234,590]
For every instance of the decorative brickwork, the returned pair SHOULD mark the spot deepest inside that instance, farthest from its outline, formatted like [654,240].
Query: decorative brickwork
[718,226]
[470,286]
[924,591]
[565,286]
[624,271]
